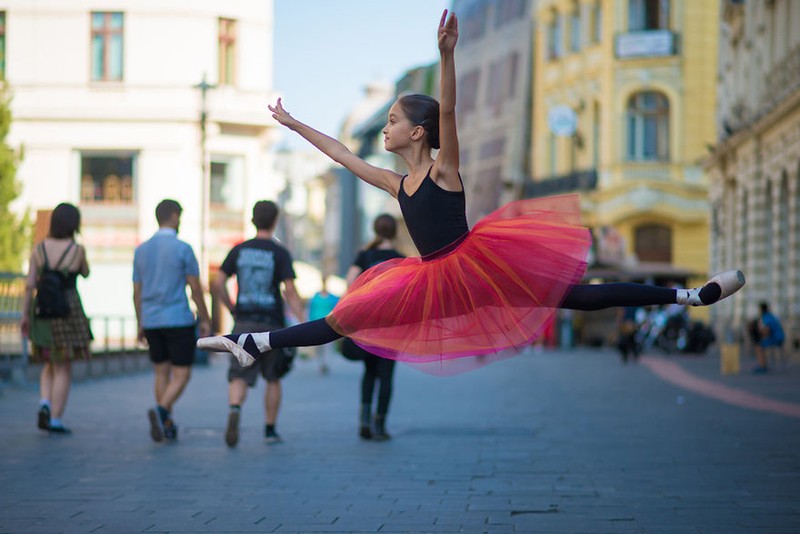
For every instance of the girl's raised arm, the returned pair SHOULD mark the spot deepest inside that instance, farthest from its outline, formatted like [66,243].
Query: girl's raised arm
[382,178]
[446,166]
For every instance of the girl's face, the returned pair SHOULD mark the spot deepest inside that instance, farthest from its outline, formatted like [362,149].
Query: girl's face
[398,129]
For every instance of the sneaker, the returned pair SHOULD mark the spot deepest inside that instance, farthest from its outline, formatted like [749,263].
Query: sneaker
[156,425]
[43,419]
[272,437]
[232,431]
[60,429]
[243,346]
[170,430]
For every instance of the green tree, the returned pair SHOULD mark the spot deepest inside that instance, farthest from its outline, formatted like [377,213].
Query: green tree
[14,230]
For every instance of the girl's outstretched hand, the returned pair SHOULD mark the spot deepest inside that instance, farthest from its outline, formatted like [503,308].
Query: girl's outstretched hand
[448,32]
[280,114]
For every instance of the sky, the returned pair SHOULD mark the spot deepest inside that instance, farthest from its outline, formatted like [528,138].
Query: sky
[327,51]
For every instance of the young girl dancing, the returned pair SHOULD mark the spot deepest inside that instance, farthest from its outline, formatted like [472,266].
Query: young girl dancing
[471,294]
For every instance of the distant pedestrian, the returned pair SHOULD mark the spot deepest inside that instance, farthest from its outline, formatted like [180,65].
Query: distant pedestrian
[162,267]
[771,337]
[265,276]
[376,368]
[320,305]
[627,330]
[57,341]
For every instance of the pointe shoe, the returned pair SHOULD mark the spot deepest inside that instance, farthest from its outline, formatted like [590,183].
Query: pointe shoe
[242,346]
[729,283]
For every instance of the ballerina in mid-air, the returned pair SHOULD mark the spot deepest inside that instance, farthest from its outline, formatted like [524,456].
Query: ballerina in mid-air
[472,293]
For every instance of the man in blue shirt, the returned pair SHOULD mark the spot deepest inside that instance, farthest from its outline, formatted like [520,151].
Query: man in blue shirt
[162,267]
[771,335]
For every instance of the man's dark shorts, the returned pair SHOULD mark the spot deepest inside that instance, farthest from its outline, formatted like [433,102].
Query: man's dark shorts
[174,345]
[271,365]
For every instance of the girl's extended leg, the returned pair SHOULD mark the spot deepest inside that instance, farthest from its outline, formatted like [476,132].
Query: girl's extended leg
[247,347]
[600,296]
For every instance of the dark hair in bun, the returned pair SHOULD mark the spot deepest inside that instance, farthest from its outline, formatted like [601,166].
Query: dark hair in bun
[422,110]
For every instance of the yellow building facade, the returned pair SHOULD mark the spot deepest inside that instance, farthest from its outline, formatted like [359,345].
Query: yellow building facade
[624,95]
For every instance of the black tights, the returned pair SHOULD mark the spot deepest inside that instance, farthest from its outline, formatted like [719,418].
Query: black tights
[580,297]
[600,296]
[381,369]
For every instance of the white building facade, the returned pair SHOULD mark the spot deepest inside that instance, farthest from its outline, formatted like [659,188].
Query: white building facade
[110,109]
[754,168]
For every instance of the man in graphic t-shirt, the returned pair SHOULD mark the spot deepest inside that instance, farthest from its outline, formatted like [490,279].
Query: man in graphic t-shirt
[265,276]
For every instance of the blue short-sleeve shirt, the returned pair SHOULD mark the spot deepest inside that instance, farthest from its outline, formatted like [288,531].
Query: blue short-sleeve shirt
[161,264]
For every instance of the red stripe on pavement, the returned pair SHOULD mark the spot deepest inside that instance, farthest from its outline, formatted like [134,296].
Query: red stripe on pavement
[677,375]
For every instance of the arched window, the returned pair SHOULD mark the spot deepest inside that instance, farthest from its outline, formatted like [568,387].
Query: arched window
[653,242]
[648,127]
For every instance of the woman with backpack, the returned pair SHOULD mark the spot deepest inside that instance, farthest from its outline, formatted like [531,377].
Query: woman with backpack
[52,313]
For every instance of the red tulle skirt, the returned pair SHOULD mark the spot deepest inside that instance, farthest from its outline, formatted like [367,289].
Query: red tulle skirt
[486,297]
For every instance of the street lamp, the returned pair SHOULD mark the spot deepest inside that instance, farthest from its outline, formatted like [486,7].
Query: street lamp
[205,207]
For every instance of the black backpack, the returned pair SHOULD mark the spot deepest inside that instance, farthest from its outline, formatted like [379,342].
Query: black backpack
[51,298]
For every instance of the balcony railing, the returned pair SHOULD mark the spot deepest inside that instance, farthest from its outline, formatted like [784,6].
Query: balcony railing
[568,183]
[650,43]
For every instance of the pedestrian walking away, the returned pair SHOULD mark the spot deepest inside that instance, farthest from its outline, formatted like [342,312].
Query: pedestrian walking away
[265,276]
[769,338]
[58,329]
[162,268]
[474,295]
[376,369]
[320,305]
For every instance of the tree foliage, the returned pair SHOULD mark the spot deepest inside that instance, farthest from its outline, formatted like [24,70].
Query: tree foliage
[14,230]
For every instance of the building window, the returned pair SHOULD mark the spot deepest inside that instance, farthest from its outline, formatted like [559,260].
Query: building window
[512,65]
[596,135]
[648,127]
[227,52]
[554,50]
[107,37]
[553,154]
[468,92]
[507,11]
[225,182]
[474,21]
[575,28]
[2,45]
[648,15]
[653,242]
[597,21]
[107,178]
[220,184]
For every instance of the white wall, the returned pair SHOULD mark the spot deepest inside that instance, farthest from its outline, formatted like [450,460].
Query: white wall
[59,112]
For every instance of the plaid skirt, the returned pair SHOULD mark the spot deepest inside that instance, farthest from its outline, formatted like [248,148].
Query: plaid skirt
[68,338]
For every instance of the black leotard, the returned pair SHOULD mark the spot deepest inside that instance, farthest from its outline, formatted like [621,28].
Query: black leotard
[435,217]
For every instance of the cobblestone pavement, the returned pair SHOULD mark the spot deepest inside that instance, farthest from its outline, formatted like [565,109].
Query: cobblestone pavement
[554,441]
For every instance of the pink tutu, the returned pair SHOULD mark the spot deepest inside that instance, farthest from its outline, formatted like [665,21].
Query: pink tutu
[484,298]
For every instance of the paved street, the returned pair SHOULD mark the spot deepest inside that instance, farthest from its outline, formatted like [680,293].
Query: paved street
[545,442]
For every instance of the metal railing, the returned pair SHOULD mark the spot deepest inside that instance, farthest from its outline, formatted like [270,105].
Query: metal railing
[13,347]
[113,334]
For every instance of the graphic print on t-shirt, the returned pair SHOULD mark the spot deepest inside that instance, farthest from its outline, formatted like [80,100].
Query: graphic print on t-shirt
[255,270]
